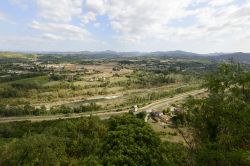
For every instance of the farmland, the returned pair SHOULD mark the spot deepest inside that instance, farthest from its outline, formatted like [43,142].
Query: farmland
[73,110]
[113,84]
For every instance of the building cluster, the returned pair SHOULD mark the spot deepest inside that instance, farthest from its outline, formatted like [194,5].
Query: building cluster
[157,116]
[63,67]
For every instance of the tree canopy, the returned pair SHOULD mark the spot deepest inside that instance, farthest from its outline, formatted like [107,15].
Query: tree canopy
[130,142]
[220,122]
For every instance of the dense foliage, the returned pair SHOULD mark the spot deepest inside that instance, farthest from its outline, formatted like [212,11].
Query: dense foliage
[130,142]
[220,123]
[58,142]
[7,111]
[123,140]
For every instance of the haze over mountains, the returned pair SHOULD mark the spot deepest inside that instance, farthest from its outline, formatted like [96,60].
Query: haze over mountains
[236,56]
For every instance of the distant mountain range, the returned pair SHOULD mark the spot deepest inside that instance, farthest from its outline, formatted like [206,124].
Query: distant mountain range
[237,56]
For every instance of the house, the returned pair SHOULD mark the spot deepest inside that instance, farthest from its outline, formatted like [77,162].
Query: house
[156,116]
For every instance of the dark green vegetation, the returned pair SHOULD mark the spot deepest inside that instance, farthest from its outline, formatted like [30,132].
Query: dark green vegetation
[32,111]
[51,143]
[220,123]
[123,140]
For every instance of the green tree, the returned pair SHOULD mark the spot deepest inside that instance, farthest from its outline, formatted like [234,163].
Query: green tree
[88,140]
[174,154]
[130,141]
[34,150]
[220,122]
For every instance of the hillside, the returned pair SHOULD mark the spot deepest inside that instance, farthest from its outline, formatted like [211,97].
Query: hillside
[237,56]
[14,55]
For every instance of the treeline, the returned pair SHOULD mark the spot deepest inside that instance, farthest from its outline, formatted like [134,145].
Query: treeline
[133,99]
[65,77]
[7,111]
[14,77]
[149,79]
[188,66]
[143,79]
[24,89]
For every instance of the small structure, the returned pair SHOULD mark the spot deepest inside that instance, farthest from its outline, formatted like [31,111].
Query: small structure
[96,78]
[133,109]
[69,67]
[147,115]
[174,111]
[69,77]
[80,68]
[156,116]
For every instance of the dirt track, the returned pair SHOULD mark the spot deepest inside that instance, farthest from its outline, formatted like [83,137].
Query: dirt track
[103,115]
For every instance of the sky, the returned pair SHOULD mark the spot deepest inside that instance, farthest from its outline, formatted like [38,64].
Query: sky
[201,26]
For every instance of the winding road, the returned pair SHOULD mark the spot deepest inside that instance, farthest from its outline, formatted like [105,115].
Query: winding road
[103,115]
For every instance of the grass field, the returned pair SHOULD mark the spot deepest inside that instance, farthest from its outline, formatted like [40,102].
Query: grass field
[92,81]
[40,80]
[166,131]
[16,55]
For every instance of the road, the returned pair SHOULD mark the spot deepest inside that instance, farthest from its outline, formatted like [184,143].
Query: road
[103,115]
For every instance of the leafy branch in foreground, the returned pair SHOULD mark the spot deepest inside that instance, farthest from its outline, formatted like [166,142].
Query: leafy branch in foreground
[220,122]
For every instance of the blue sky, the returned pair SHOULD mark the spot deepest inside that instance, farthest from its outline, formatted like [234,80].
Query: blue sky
[200,26]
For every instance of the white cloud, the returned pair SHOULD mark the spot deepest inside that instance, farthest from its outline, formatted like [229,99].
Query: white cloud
[96,25]
[138,19]
[90,16]
[59,10]
[217,3]
[64,31]
[141,19]
[165,22]
[97,6]
[232,20]
[2,17]
[46,42]
[52,36]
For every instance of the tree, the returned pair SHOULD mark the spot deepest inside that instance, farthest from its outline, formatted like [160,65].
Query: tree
[220,122]
[130,141]
[89,138]
[174,154]
[34,150]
